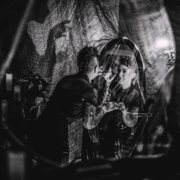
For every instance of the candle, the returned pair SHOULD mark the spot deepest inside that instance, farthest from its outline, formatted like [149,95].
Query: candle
[9,79]
[4,110]
[17,93]
[16,165]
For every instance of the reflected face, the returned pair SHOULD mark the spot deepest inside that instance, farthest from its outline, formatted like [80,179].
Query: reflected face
[125,75]
[115,66]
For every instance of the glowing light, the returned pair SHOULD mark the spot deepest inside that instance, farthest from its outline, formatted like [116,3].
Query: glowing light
[9,80]
[161,43]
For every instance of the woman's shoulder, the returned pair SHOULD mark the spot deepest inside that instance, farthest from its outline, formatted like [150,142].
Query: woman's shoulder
[134,89]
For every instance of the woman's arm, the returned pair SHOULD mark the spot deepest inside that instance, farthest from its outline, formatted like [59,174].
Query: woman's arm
[93,114]
[130,117]
[95,111]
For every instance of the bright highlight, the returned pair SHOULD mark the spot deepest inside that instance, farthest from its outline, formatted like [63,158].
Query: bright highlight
[161,43]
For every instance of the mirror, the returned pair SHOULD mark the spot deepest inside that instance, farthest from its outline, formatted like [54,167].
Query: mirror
[120,134]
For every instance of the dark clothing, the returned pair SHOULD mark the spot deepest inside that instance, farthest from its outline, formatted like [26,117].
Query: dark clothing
[130,97]
[115,135]
[57,133]
[70,94]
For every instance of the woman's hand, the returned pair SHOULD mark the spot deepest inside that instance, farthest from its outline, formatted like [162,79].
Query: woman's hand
[121,106]
[108,76]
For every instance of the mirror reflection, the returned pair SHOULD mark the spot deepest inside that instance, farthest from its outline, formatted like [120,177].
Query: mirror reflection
[119,130]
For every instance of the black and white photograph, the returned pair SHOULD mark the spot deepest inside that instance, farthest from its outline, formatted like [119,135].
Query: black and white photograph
[89,90]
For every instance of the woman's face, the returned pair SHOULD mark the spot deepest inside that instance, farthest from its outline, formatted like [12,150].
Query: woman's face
[125,75]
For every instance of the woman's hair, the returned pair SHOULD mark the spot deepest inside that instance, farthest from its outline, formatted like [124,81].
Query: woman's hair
[84,57]
[130,62]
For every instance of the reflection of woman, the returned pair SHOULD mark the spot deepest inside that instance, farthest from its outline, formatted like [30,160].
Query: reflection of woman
[120,124]
[120,129]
